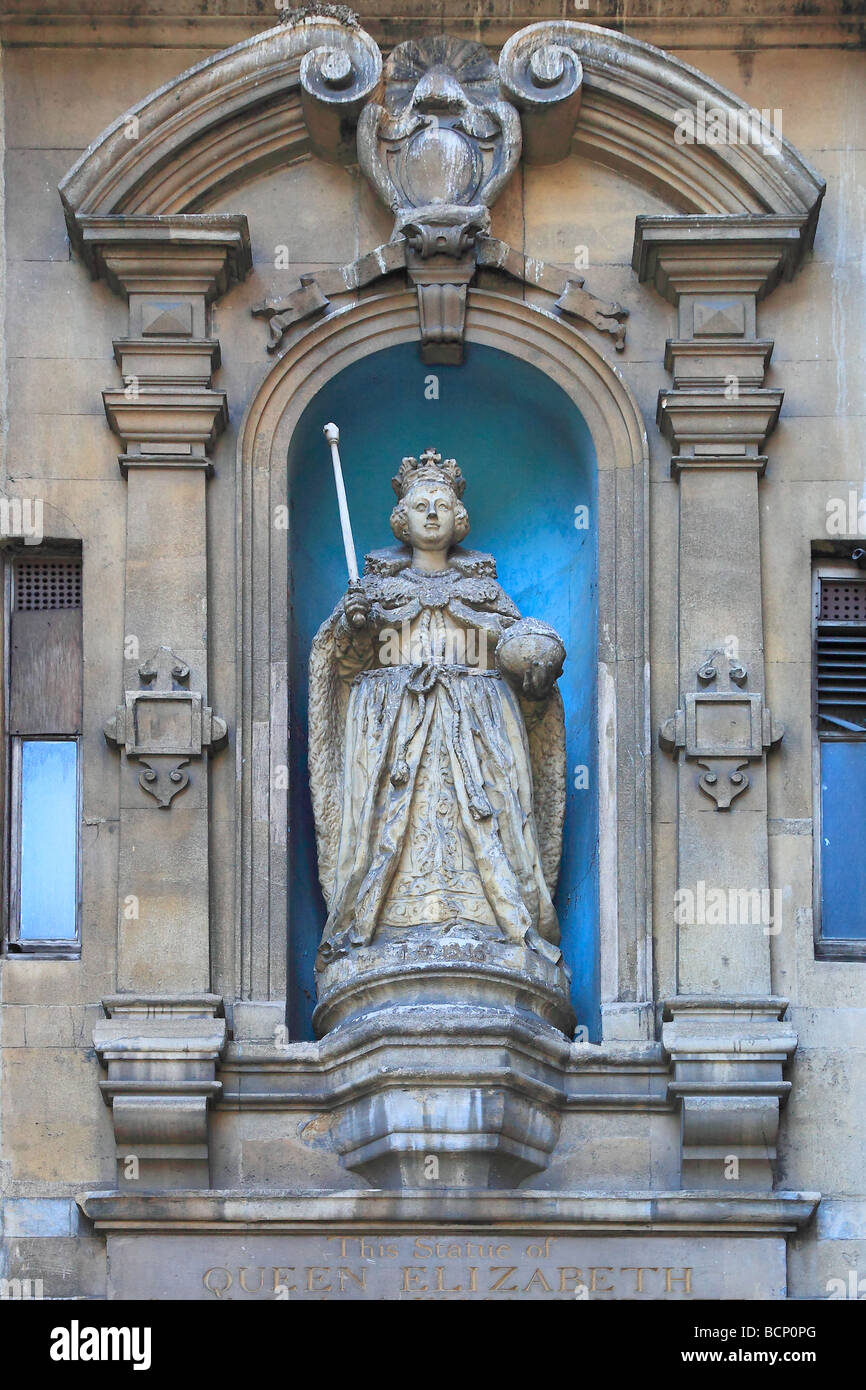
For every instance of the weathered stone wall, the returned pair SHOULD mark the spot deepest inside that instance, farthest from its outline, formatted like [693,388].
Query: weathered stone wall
[60,90]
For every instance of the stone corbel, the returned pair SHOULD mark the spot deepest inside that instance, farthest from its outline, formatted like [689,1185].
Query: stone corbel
[164,726]
[728,1056]
[722,731]
[161,1054]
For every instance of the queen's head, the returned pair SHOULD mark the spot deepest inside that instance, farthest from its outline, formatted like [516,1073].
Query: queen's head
[429,514]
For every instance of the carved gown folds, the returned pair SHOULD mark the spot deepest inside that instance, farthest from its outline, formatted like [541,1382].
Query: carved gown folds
[437,790]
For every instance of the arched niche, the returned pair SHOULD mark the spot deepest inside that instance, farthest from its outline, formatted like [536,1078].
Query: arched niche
[529,463]
[611,418]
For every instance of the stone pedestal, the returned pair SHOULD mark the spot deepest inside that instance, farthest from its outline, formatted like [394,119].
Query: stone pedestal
[470,1041]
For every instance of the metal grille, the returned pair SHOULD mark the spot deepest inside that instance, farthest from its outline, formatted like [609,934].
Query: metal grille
[44,583]
[841,657]
[843,600]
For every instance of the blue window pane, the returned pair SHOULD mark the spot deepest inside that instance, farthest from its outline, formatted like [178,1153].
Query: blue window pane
[843,838]
[49,836]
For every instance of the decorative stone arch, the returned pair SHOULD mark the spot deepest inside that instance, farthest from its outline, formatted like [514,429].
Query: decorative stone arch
[614,421]
[241,113]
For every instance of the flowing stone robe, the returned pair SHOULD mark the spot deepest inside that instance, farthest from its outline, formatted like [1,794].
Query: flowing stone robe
[438,791]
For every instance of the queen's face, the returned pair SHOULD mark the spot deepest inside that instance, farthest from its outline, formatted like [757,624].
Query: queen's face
[431,520]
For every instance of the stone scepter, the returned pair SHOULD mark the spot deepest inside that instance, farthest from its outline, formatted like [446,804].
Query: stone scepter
[357,616]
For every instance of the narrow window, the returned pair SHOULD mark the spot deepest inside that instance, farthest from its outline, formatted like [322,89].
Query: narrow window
[840,760]
[43,729]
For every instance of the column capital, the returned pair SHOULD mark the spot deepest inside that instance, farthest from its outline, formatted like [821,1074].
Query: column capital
[744,253]
[178,253]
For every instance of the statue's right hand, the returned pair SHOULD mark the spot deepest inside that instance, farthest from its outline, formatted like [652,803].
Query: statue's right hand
[356,607]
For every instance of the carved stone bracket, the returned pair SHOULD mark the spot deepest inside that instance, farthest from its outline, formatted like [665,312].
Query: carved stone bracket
[722,731]
[164,726]
[161,1053]
[728,1056]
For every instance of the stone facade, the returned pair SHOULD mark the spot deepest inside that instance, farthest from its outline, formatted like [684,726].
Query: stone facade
[174,208]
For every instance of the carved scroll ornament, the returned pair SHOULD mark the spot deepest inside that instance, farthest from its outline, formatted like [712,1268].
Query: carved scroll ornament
[438,139]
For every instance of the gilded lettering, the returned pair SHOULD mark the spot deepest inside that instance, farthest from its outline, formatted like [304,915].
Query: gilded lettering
[685,1279]
[594,1287]
[639,1271]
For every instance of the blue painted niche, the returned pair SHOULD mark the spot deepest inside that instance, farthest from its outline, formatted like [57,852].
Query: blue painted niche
[529,462]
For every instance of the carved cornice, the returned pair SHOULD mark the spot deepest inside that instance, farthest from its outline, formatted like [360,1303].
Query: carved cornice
[155,360]
[232,117]
[694,1213]
[709,421]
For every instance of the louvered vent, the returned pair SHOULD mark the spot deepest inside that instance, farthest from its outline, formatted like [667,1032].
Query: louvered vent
[841,656]
[44,583]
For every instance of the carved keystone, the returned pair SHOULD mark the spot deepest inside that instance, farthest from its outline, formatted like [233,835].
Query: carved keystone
[164,726]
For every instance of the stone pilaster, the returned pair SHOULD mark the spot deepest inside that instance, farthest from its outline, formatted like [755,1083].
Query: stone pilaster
[724,1036]
[163,1033]
[167,414]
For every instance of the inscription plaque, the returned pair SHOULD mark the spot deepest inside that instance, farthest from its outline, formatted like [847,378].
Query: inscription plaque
[455,1265]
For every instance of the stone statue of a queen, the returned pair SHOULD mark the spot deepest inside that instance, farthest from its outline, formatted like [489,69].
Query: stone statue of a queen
[436,742]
